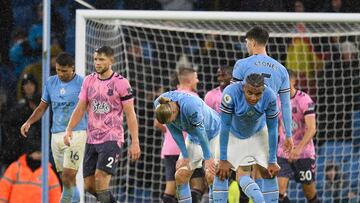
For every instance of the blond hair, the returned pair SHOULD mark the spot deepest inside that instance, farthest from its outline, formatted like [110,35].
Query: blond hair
[163,112]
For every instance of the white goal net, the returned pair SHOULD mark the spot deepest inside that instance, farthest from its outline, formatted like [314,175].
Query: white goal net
[323,49]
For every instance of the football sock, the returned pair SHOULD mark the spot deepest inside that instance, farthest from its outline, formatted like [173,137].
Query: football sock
[184,193]
[251,189]
[220,190]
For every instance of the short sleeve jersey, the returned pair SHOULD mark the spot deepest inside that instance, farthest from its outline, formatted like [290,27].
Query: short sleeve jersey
[105,99]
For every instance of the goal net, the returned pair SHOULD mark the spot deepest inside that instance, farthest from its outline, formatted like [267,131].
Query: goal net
[149,47]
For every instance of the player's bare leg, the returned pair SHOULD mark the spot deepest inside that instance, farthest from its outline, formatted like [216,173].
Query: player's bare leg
[68,178]
[310,192]
[283,185]
[268,184]
[170,192]
[197,188]
[102,181]
[182,178]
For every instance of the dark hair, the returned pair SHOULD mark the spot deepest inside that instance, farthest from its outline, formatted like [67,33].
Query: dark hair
[227,69]
[108,51]
[65,59]
[29,78]
[256,80]
[259,34]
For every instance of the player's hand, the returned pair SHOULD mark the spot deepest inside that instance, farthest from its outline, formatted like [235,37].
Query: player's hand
[25,129]
[288,145]
[223,170]
[295,154]
[210,166]
[134,151]
[67,137]
[273,169]
[183,163]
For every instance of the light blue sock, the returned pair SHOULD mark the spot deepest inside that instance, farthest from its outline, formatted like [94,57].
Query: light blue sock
[251,189]
[220,190]
[76,195]
[211,194]
[270,190]
[66,195]
[184,193]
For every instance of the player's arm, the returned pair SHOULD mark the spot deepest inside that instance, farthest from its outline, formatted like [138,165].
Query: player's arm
[179,139]
[224,133]
[272,124]
[75,118]
[200,132]
[77,115]
[286,111]
[310,124]
[132,123]
[35,116]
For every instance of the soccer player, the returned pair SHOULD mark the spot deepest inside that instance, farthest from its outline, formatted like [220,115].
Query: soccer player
[187,83]
[61,93]
[275,74]
[276,77]
[247,139]
[104,95]
[213,97]
[184,112]
[300,163]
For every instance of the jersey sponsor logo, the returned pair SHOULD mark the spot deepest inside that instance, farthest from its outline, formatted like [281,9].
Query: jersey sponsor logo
[227,99]
[62,91]
[100,107]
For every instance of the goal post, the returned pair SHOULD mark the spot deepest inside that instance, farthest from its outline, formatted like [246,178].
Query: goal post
[322,48]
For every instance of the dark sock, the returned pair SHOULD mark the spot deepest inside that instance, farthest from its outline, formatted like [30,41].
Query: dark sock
[196,195]
[169,198]
[314,200]
[103,196]
[243,197]
[284,199]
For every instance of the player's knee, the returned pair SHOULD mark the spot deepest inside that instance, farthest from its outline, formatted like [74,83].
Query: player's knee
[68,178]
[182,175]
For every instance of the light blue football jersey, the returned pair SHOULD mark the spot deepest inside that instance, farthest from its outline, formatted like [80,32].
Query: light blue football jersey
[194,114]
[63,98]
[244,120]
[276,77]
[247,119]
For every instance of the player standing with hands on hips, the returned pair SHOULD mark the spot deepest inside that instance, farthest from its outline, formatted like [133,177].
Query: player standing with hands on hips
[104,95]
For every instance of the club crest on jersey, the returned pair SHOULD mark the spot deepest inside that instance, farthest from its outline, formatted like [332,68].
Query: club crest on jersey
[62,91]
[100,107]
[227,98]
[110,92]
[250,113]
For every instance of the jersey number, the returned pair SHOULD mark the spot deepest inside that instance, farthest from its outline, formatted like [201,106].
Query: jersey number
[111,160]
[305,175]
[74,156]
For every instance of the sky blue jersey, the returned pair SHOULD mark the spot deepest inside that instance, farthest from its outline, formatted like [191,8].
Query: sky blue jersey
[201,122]
[63,98]
[276,77]
[244,120]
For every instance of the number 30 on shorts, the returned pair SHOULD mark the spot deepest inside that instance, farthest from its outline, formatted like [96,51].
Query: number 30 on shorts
[305,175]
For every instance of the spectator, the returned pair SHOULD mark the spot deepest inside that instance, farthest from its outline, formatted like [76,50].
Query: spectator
[22,179]
[336,6]
[28,51]
[336,186]
[13,145]
[35,69]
